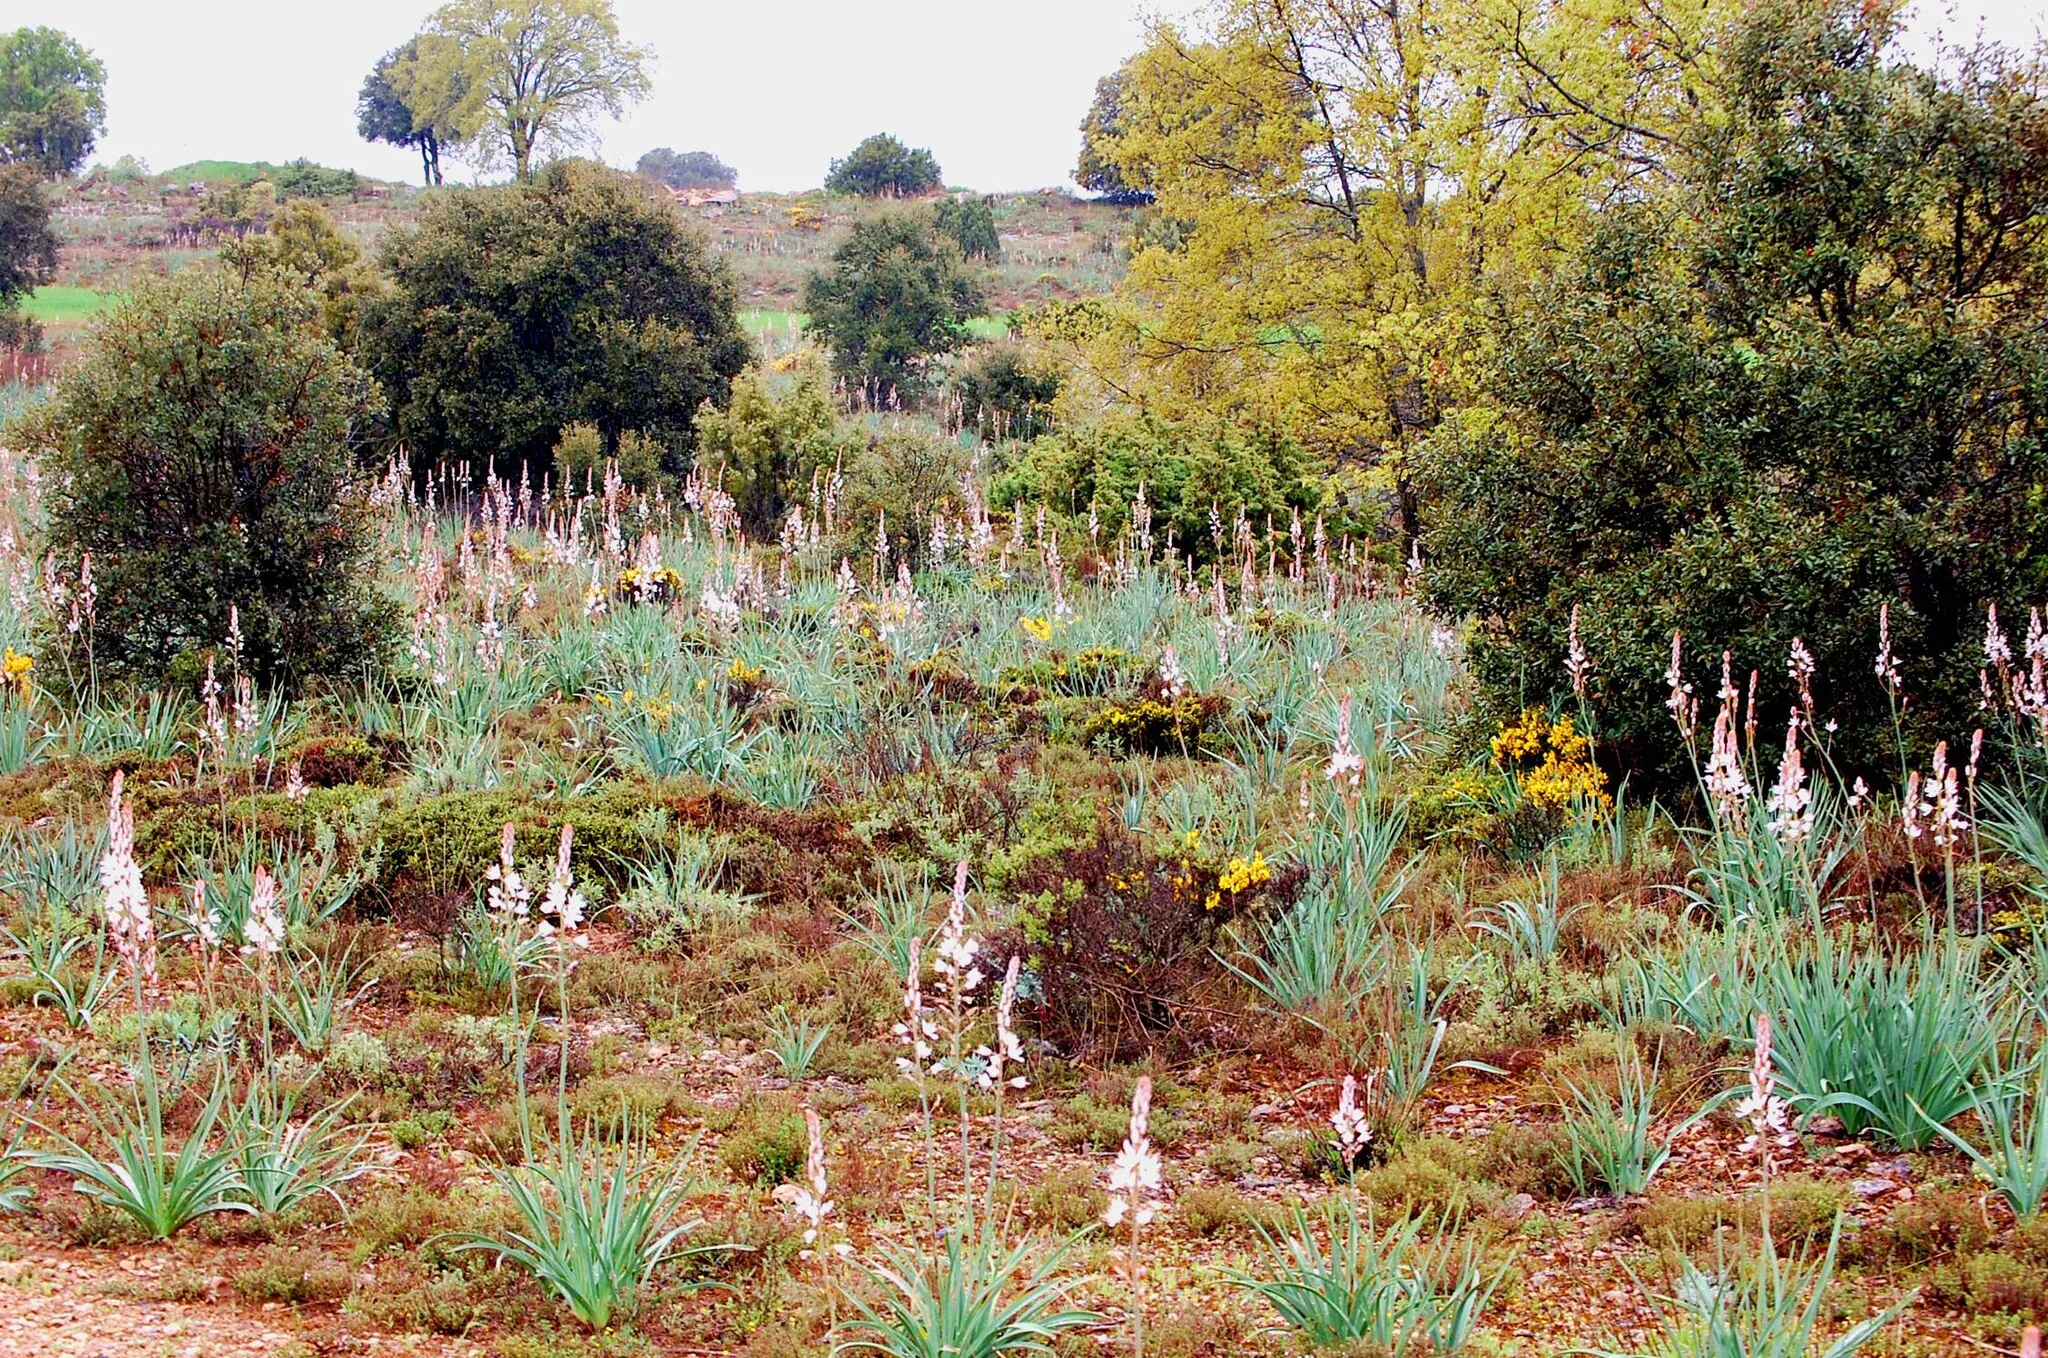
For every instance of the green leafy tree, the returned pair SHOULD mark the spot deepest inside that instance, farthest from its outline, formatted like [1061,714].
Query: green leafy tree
[1097,171]
[883,167]
[426,123]
[28,243]
[971,222]
[514,312]
[769,439]
[687,169]
[203,452]
[897,293]
[525,79]
[28,252]
[53,101]
[1809,382]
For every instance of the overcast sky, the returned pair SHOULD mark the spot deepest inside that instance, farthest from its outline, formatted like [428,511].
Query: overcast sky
[775,87]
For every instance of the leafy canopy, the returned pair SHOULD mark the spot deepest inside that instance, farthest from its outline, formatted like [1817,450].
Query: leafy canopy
[524,79]
[306,244]
[1809,380]
[687,169]
[1335,182]
[516,311]
[897,293]
[203,453]
[769,440]
[53,100]
[883,167]
[971,222]
[1097,171]
[28,243]
[424,118]
[1187,468]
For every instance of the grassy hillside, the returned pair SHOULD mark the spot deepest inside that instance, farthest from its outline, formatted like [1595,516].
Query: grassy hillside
[220,171]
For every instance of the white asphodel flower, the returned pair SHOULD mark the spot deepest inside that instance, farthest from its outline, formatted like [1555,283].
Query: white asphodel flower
[1135,1177]
[1349,1122]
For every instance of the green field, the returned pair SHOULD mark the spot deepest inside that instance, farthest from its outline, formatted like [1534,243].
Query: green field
[63,305]
[219,171]
[774,320]
[83,304]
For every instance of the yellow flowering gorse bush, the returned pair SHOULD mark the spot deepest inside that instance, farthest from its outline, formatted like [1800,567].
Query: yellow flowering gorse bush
[1552,761]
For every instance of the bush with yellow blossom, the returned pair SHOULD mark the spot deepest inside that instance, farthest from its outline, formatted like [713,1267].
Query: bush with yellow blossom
[17,672]
[1552,761]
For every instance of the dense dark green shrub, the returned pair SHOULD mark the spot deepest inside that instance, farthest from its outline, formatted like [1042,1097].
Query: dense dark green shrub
[1811,381]
[1187,470]
[301,178]
[971,222]
[896,294]
[1003,395]
[883,167]
[202,454]
[515,312]
[905,471]
[28,243]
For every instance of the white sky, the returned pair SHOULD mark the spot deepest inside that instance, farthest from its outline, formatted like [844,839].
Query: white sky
[775,87]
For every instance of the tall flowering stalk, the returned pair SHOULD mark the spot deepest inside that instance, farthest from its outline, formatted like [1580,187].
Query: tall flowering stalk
[1933,806]
[1577,663]
[562,911]
[124,903]
[1726,782]
[506,897]
[263,937]
[915,1033]
[1976,839]
[208,934]
[1767,1114]
[958,975]
[1683,706]
[996,1061]
[1791,803]
[1354,1131]
[1345,767]
[1134,1183]
[813,1202]
[1769,1121]
[264,932]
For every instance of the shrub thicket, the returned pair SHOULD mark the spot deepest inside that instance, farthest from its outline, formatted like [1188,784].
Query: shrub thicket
[897,293]
[202,453]
[515,312]
[769,439]
[1186,468]
[971,222]
[883,167]
[1004,395]
[1811,382]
